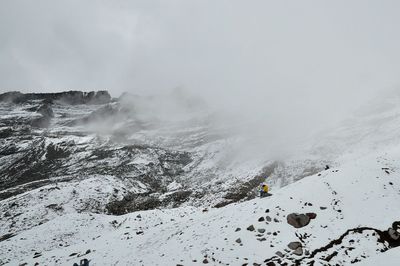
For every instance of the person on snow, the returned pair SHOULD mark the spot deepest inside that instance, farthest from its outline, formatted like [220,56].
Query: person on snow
[264,190]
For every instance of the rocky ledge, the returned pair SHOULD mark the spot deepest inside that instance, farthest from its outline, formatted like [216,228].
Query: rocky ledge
[67,97]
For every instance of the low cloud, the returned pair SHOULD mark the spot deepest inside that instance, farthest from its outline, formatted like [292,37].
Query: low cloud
[283,69]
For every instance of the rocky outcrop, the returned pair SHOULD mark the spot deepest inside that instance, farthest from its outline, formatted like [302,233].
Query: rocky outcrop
[108,113]
[67,97]
[46,113]
[45,110]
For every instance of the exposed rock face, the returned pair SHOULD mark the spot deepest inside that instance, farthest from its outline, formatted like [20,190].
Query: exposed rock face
[299,220]
[68,97]
[45,110]
[46,115]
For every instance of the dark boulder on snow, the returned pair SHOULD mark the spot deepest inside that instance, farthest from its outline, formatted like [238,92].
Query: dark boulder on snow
[298,251]
[251,228]
[295,245]
[298,220]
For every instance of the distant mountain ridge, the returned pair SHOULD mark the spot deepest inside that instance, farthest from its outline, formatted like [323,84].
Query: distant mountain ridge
[67,97]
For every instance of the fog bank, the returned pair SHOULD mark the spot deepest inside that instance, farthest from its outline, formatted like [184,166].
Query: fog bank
[282,68]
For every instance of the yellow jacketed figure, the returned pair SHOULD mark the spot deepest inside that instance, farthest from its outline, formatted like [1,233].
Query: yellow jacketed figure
[264,190]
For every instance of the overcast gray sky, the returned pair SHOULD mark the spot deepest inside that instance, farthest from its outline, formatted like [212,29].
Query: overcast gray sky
[287,55]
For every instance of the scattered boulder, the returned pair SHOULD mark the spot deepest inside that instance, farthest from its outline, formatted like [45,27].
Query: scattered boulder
[261,219]
[239,241]
[251,228]
[280,254]
[37,255]
[237,229]
[261,230]
[298,220]
[298,251]
[294,245]
[268,219]
[205,261]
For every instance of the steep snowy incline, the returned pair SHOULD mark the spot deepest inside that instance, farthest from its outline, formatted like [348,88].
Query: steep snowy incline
[354,205]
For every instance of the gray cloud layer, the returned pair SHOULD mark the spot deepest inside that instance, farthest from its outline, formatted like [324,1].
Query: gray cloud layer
[280,61]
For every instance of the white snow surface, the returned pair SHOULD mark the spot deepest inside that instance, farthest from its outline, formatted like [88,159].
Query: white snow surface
[357,193]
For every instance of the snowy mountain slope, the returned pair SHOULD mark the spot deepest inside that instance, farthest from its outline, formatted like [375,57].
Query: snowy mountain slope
[357,194]
[60,179]
[148,149]
[389,258]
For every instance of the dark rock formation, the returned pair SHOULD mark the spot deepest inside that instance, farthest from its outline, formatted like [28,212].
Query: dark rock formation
[295,245]
[299,220]
[298,251]
[67,97]
[251,228]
